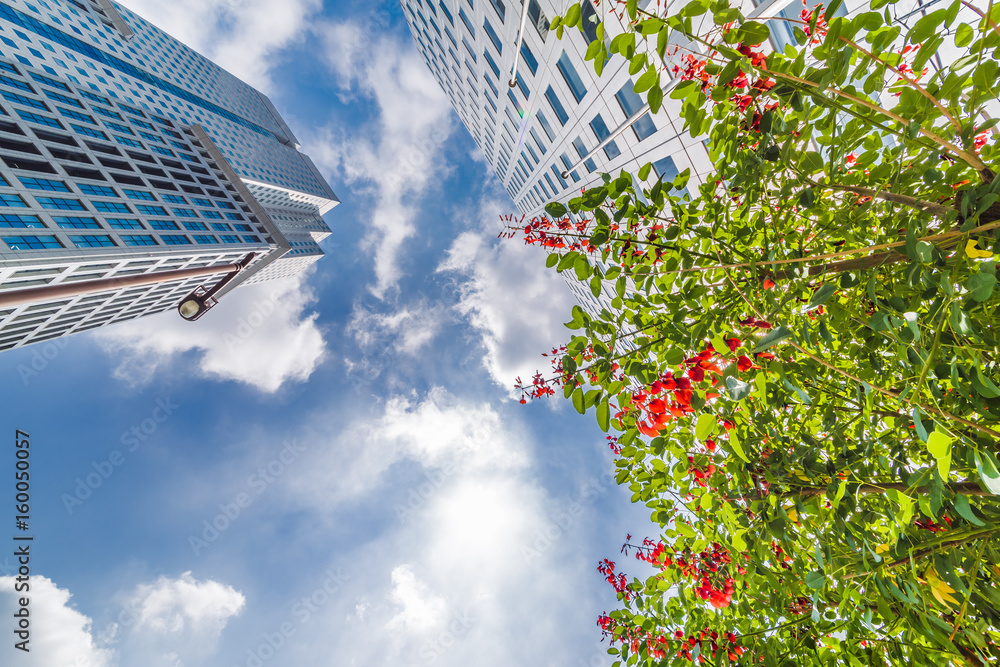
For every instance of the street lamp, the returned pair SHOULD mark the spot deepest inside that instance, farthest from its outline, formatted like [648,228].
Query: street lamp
[202,300]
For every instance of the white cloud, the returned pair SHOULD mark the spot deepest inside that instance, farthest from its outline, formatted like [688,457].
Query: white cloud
[419,610]
[406,330]
[171,606]
[439,431]
[245,37]
[258,335]
[395,158]
[60,635]
[516,304]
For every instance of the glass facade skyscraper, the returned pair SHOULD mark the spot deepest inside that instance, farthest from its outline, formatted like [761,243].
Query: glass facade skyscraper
[122,151]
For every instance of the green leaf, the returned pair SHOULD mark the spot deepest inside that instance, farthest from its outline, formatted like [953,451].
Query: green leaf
[773,337]
[939,446]
[918,425]
[555,209]
[754,33]
[552,260]
[965,510]
[644,171]
[815,580]
[734,443]
[572,16]
[705,427]
[655,99]
[604,415]
[986,464]
[738,390]
[648,79]
[980,286]
[984,386]
[578,400]
[822,295]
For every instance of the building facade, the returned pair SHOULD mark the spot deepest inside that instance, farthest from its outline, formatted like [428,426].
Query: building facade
[559,112]
[122,151]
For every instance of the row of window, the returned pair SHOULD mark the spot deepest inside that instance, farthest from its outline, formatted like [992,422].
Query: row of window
[103,241]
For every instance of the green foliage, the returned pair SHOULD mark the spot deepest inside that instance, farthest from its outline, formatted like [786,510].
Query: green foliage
[800,359]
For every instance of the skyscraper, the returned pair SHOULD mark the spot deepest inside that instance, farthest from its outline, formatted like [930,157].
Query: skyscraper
[122,151]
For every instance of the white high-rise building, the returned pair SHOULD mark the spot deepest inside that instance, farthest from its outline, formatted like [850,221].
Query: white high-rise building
[122,152]
[559,113]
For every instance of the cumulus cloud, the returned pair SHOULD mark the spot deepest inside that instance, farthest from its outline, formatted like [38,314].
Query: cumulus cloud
[418,610]
[516,304]
[60,635]
[394,159]
[171,606]
[406,330]
[436,431]
[242,36]
[259,335]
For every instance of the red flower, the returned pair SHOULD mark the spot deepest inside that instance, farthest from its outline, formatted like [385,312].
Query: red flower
[744,363]
[768,283]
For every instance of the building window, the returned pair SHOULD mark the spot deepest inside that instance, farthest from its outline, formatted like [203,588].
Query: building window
[61,204]
[40,120]
[529,58]
[630,103]
[124,223]
[21,221]
[467,21]
[205,240]
[31,242]
[139,195]
[12,200]
[75,223]
[138,240]
[581,150]
[570,76]
[43,184]
[568,164]
[230,238]
[538,19]
[493,35]
[96,190]
[493,63]
[170,239]
[559,177]
[556,105]
[589,21]
[111,207]
[92,241]
[500,7]
[162,224]
[151,210]
[602,132]
[195,226]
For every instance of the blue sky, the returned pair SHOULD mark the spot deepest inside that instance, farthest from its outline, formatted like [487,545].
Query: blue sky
[377,495]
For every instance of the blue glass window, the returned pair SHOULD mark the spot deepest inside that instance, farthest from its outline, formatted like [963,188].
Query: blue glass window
[151,210]
[12,200]
[493,63]
[172,239]
[124,223]
[581,150]
[184,212]
[92,241]
[31,242]
[96,190]
[500,7]
[138,240]
[41,120]
[568,164]
[111,207]
[205,240]
[630,103]
[195,226]
[61,204]
[14,83]
[556,105]
[75,223]
[529,58]
[227,238]
[26,101]
[493,35]
[602,132]
[43,184]
[22,221]
[139,195]
[163,224]
[86,131]
[570,76]
[467,21]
